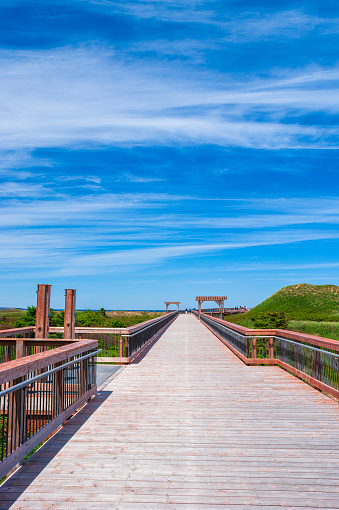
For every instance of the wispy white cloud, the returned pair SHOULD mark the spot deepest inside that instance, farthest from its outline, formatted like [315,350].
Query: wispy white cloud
[250,25]
[12,163]
[280,24]
[89,178]
[104,232]
[87,264]
[75,97]
[156,210]
[136,178]
[15,189]
[188,11]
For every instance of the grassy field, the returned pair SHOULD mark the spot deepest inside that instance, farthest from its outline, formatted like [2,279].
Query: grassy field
[303,302]
[8,317]
[323,329]
[13,317]
[311,309]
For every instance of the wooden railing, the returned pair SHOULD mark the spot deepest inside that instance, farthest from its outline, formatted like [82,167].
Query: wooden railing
[314,360]
[226,311]
[22,332]
[122,345]
[14,348]
[118,345]
[38,393]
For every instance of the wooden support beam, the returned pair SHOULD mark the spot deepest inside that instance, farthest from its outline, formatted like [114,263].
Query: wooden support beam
[69,318]
[20,348]
[42,311]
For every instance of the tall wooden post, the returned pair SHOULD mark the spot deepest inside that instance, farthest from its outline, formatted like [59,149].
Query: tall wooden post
[42,311]
[199,309]
[69,320]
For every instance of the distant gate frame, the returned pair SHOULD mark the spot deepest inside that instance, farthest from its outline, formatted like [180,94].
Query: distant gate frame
[217,299]
[167,303]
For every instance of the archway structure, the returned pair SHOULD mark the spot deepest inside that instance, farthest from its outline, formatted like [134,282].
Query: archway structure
[167,303]
[217,299]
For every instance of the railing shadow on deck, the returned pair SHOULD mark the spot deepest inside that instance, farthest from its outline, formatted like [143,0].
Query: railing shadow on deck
[32,468]
[151,343]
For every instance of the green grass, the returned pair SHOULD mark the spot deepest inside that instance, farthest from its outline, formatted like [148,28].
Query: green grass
[323,329]
[121,319]
[9,317]
[311,309]
[303,302]
[240,319]
[320,328]
[300,302]
[14,318]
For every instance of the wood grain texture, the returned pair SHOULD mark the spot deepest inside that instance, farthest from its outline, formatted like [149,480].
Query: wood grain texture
[28,364]
[189,426]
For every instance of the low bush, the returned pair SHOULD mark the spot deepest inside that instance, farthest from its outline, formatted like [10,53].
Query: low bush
[270,320]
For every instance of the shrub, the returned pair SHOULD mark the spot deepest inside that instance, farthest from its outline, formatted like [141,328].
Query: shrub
[28,319]
[270,320]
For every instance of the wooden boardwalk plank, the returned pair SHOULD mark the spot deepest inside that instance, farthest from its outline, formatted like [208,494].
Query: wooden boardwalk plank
[189,426]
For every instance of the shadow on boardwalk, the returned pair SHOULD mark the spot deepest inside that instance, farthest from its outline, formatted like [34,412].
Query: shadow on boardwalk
[16,485]
[145,351]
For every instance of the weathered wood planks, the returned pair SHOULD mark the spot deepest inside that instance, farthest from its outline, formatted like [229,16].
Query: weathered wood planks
[189,426]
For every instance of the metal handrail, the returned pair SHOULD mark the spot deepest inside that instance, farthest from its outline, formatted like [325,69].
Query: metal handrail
[3,393]
[272,336]
[303,344]
[149,326]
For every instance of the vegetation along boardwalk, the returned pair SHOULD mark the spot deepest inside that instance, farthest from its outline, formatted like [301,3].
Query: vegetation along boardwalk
[189,426]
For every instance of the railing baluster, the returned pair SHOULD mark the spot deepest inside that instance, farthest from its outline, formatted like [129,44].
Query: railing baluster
[254,347]
[319,366]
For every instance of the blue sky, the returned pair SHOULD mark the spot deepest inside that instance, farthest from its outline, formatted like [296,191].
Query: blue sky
[157,150]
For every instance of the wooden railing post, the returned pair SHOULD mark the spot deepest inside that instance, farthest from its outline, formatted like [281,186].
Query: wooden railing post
[316,365]
[83,376]
[120,346]
[69,318]
[16,424]
[254,347]
[20,348]
[57,391]
[126,346]
[271,348]
[42,311]
[8,353]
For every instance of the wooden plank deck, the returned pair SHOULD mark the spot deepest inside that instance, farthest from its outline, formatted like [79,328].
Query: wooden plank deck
[189,426]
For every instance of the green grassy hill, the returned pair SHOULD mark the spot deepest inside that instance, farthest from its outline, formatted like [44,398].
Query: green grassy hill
[299,302]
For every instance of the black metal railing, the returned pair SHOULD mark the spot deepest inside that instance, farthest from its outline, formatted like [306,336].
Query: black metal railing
[135,340]
[7,352]
[30,403]
[235,339]
[118,343]
[316,364]
[107,342]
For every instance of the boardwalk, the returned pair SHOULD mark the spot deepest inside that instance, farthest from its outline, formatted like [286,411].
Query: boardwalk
[189,426]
